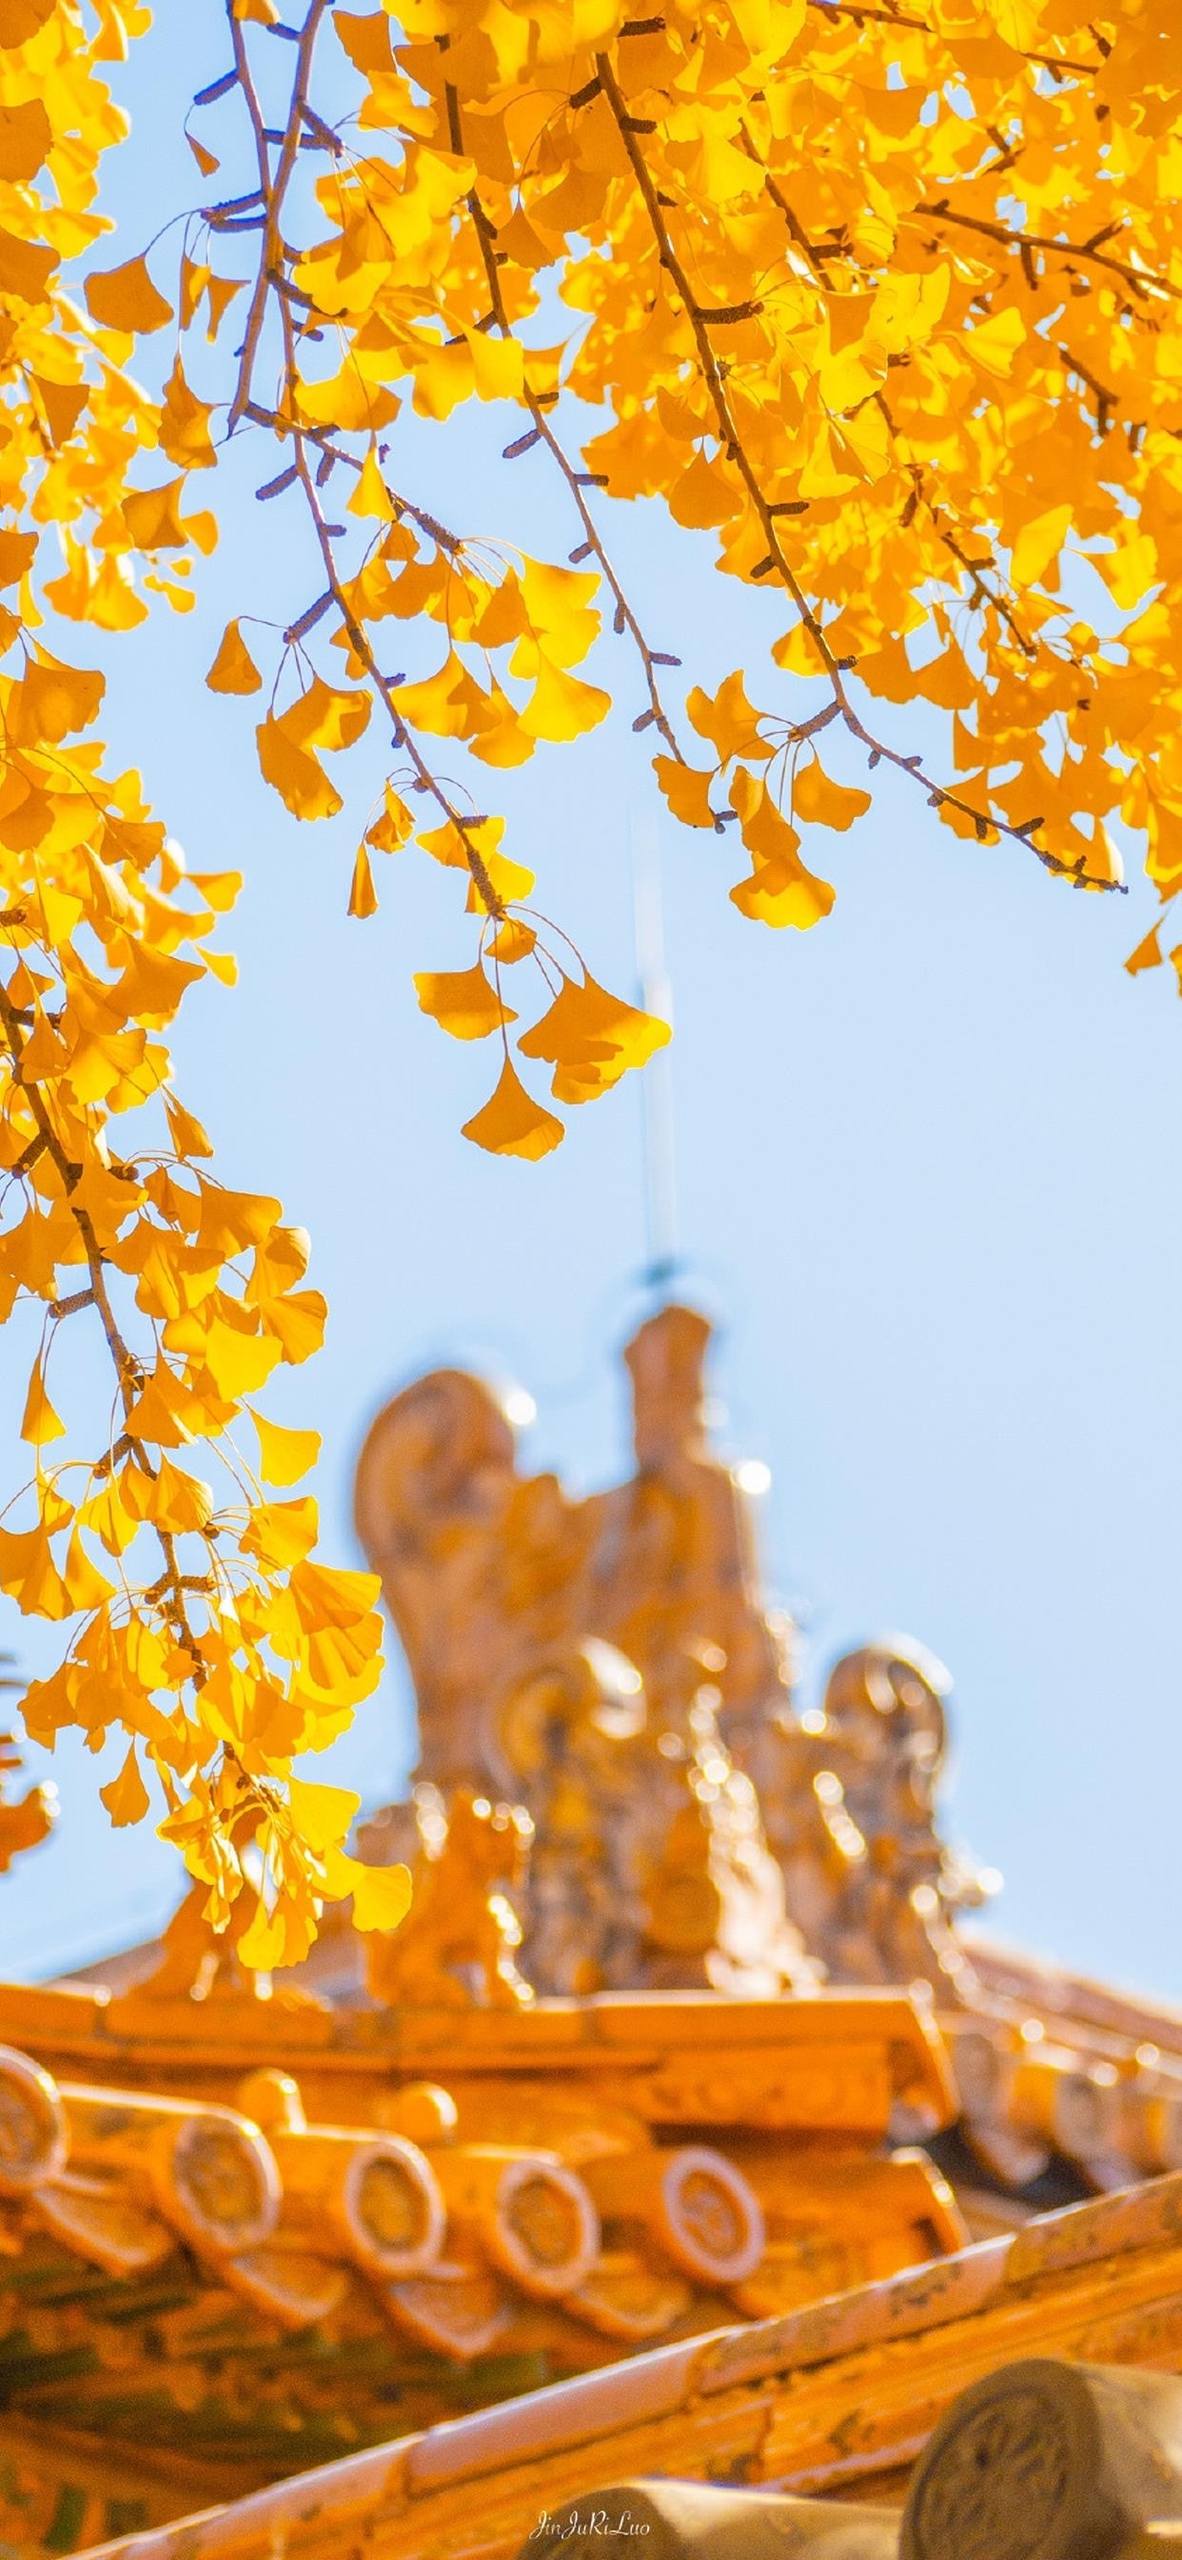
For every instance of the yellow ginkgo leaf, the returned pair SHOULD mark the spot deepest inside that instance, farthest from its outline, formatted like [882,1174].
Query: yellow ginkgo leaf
[301,783]
[783,892]
[562,706]
[325,1596]
[284,1455]
[40,1422]
[1039,542]
[381,1896]
[29,1574]
[220,292]
[498,366]
[87,1587]
[346,401]
[187,1134]
[56,1512]
[266,1942]
[25,268]
[184,424]
[559,609]
[21,19]
[370,496]
[17,554]
[1132,567]
[281,1534]
[768,835]
[126,1798]
[705,494]
[393,827]
[728,720]
[154,521]
[591,1038]
[994,343]
[445,844]
[462,1001]
[505,743]
[512,941]
[323,1816]
[53,699]
[907,308]
[63,403]
[822,802]
[363,897]
[176,1500]
[207,161]
[25,136]
[440,702]
[233,669]
[106,1513]
[126,298]
[194,279]
[297,1321]
[512,1123]
[502,616]
[1147,954]
[326,716]
[686,791]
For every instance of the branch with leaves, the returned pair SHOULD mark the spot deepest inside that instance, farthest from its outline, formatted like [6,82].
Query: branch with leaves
[198,1625]
[849,320]
[882,311]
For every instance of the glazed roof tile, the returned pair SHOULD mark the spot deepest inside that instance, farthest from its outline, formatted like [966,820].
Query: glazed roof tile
[458,2245]
[785,2401]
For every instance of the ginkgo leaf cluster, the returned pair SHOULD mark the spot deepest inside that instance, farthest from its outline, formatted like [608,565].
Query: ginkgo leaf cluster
[882,306]
[197,1622]
[856,296]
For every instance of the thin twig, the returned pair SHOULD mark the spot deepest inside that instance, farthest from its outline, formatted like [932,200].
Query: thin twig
[272,189]
[1078,251]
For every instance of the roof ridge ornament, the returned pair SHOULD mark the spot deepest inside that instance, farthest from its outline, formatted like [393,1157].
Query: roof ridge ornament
[609,1663]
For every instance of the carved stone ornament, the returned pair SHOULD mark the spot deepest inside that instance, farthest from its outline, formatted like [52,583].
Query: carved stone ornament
[610,1666]
[459,1939]
[1066,2462]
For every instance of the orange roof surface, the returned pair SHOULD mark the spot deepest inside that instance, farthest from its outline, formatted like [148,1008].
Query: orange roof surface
[841,2393]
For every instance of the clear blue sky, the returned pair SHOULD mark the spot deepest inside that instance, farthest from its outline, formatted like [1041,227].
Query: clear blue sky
[927,1174]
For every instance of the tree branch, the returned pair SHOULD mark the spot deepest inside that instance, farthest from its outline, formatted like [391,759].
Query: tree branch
[625,617]
[302,438]
[938,794]
[127,1368]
